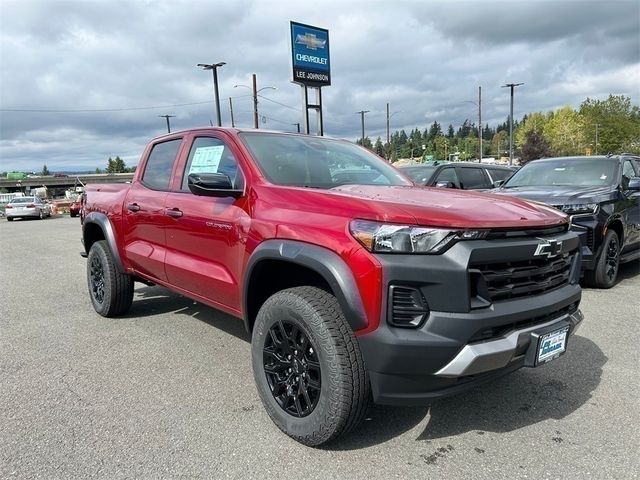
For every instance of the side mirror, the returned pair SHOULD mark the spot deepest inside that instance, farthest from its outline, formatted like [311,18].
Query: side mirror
[445,185]
[634,184]
[498,183]
[212,185]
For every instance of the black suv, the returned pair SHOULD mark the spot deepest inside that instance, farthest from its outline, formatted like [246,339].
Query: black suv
[602,196]
[465,175]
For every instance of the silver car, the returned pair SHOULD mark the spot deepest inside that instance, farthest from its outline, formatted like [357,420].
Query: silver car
[21,207]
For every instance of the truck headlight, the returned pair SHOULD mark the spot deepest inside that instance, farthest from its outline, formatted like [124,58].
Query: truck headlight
[390,238]
[579,208]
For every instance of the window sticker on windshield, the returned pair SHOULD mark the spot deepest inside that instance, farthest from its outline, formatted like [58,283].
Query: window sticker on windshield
[559,169]
[206,159]
[603,177]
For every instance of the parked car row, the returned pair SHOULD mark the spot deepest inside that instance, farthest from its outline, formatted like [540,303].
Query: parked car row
[601,194]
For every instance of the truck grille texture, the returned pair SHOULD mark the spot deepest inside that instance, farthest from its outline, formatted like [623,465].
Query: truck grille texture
[506,280]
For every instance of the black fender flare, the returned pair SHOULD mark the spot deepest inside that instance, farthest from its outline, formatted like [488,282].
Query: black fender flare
[104,223]
[326,263]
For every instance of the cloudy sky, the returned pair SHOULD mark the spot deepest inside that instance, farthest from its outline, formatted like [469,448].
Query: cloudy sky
[84,80]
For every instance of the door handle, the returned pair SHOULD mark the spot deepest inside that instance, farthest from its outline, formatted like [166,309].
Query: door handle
[174,212]
[133,207]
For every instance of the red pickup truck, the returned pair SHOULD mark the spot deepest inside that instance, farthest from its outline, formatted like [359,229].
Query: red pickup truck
[354,283]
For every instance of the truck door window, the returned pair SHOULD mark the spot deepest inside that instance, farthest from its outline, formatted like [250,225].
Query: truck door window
[627,169]
[157,172]
[211,155]
[447,175]
[471,178]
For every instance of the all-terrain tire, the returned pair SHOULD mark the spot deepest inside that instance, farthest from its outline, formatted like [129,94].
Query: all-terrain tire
[111,292]
[344,391]
[607,264]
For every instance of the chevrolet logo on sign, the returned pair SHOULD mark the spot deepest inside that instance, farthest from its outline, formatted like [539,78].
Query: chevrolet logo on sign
[549,249]
[310,41]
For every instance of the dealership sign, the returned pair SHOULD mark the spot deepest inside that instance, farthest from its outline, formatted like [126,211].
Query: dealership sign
[310,55]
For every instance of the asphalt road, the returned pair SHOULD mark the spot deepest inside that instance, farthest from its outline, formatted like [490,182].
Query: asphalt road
[167,392]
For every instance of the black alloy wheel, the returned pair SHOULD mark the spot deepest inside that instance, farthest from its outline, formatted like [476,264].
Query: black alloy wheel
[97,280]
[612,259]
[292,369]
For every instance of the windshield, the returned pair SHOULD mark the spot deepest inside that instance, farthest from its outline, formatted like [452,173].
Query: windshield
[303,161]
[23,200]
[419,174]
[565,172]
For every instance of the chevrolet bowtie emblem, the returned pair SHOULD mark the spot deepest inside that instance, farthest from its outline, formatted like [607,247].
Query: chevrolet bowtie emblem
[310,41]
[549,248]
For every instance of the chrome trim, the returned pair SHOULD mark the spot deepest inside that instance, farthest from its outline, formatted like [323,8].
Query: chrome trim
[470,353]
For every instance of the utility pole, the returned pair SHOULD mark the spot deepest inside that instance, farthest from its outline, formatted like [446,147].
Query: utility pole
[361,113]
[596,146]
[511,86]
[388,139]
[233,123]
[255,101]
[480,124]
[297,125]
[214,68]
[168,124]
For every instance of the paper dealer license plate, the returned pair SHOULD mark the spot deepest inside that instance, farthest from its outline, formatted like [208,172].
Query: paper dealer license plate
[552,345]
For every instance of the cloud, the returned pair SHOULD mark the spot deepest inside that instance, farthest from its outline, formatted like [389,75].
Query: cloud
[425,58]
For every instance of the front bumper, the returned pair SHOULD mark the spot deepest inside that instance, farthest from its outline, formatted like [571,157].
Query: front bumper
[462,342]
[589,229]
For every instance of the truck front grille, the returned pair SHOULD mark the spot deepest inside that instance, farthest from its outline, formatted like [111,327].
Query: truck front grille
[505,280]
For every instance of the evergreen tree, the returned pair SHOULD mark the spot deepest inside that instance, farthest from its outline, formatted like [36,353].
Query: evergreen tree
[378,147]
[45,171]
[450,132]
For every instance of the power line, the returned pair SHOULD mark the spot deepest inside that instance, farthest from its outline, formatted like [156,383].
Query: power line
[90,110]
[279,103]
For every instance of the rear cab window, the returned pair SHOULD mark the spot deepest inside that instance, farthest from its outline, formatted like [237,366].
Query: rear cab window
[157,170]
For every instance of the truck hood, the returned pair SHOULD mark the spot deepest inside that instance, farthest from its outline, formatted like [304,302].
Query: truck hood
[560,195]
[453,208]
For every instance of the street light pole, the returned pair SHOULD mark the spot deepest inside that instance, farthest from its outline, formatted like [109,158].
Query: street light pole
[597,126]
[361,113]
[214,68]
[168,125]
[511,86]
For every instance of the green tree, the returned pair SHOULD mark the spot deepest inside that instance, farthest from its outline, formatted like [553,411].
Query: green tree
[378,147]
[98,171]
[535,146]
[45,171]
[441,147]
[617,122]
[116,165]
[499,143]
[534,122]
[565,132]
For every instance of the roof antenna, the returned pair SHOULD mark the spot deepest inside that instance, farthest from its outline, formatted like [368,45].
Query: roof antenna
[210,122]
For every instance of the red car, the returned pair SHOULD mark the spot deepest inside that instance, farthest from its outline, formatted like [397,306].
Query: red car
[75,207]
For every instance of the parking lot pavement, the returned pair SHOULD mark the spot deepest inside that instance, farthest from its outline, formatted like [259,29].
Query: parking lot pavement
[168,392]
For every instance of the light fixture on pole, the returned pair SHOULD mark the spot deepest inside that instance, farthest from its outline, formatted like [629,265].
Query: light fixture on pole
[511,87]
[214,68]
[255,97]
